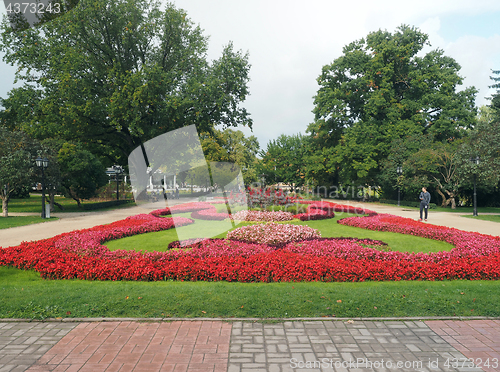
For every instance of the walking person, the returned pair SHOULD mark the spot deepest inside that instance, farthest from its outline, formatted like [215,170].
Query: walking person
[425,199]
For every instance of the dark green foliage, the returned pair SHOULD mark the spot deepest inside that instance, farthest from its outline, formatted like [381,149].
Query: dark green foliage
[82,172]
[17,167]
[284,160]
[380,90]
[115,74]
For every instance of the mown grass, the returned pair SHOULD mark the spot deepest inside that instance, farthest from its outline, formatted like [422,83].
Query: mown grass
[485,217]
[25,295]
[158,241]
[13,221]
[33,204]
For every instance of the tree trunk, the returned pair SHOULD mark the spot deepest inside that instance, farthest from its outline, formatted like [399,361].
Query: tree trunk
[51,201]
[443,203]
[75,198]
[5,209]
[451,199]
[5,195]
[446,200]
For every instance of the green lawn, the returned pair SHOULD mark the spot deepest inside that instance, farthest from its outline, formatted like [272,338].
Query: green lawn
[25,295]
[34,204]
[158,241]
[468,210]
[485,217]
[14,221]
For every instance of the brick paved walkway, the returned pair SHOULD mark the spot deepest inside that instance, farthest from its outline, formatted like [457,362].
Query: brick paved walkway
[476,339]
[244,346]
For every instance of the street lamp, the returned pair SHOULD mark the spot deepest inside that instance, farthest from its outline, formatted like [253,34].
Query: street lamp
[42,164]
[118,170]
[399,171]
[475,161]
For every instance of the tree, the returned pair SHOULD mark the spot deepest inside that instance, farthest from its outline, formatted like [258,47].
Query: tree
[16,164]
[116,74]
[82,173]
[233,147]
[483,142]
[440,163]
[283,160]
[379,90]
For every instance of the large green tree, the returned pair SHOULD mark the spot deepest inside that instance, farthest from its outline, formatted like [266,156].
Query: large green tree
[283,160]
[114,74]
[233,147]
[382,89]
[17,166]
[81,172]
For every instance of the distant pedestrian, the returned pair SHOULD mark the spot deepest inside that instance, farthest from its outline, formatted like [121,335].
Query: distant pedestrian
[425,199]
[177,193]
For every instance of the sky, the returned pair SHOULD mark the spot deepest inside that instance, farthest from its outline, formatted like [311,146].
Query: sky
[289,41]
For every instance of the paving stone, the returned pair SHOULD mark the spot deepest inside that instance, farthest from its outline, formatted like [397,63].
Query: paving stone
[246,346]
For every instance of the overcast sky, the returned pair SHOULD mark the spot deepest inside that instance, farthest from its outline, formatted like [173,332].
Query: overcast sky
[289,41]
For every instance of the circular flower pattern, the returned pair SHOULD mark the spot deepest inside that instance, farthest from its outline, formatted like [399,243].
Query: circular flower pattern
[283,253]
[273,233]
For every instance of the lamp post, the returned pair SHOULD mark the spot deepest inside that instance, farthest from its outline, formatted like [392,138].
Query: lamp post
[42,164]
[399,171]
[475,161]
[118,170]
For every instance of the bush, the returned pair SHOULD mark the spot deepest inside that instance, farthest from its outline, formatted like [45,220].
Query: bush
[106,204]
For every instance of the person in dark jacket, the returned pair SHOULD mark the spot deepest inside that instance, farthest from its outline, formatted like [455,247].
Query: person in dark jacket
[425,199]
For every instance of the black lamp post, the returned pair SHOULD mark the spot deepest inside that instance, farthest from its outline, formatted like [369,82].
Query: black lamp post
[475,161]
[399,171]
[42,164]
[118,170]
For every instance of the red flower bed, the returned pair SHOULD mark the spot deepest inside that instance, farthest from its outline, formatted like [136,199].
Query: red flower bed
[200,210]
[80,254]
[315,215]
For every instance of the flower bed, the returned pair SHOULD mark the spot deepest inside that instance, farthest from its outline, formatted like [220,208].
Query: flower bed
[317,214]
[265,197]
[200,210]
[80,254]
[272,233]
[258,216]
[181,208]
[209,214]
[88,242]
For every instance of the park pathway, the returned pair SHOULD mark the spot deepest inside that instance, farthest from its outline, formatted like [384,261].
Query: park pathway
[249,345]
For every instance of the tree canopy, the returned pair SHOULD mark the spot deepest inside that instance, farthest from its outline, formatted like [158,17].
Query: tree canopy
[383,88]
[233,147]
[81,172]
[114,74]
[17,153]
[283,160]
